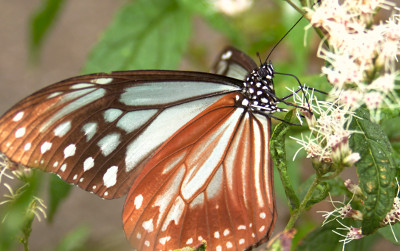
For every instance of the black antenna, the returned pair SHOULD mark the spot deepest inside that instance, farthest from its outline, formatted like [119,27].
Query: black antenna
[259,58]
[282,39]
[273,48]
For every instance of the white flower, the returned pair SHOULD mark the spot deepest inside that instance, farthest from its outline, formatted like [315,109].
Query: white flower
[373,100]
[384,83]
[353,233]
[344,211]
[350,98]
[329,130]
[362,55]
[327,12]
[231,7]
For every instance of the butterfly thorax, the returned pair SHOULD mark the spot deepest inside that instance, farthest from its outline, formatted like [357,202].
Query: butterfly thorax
[258,90]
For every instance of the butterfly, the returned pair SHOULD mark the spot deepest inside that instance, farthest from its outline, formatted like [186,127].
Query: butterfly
[190,149]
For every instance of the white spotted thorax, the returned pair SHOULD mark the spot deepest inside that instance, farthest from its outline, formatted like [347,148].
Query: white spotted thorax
[258,91]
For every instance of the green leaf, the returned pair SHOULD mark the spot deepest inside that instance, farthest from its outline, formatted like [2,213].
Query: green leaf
[144,34]
[322,239]
[337,187]
[376,170]
[389,113]
[75,240]
[387,233]
[278,153]
[220,22]
[41,21]
[58,191]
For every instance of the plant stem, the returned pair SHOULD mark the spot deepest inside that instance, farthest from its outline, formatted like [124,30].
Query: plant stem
[302,12]
[26,231]
[296,213]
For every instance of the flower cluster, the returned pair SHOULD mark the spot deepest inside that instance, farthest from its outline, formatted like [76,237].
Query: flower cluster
[345,211]
[327,141]
[361,56]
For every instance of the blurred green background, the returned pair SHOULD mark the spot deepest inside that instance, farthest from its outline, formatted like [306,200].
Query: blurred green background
[142,34]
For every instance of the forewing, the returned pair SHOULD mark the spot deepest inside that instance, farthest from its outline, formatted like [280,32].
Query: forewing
[234,63]
[98,130]
[212,181]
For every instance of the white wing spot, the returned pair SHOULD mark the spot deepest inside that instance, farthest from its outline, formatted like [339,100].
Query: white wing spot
[110,177]
[106,193]
[189,241]
[253,235]
[81,180]
[88,164]
[54,94]
[226,232]
[262,215]
[219,248]
[75,177]
[109,143]
[42,161]
[147,243]
[226,55]
[94,187]
[135,119]
[62,129]
[148,225]
[164,239]
[112,114]
[261,229]
[138,201]
[216,235]
[20,132]
[241,227]
[55,164]
[81,85]
[241,241]
[89,129]
[102,81]
[18,117]
[174,214]
[138,236]
[200,238]
[45,147]
[27,146]
[63,167]
[79,99]
[69,151]
[229,244]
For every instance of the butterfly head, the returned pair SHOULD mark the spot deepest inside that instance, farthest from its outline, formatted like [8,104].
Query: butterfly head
[258,90]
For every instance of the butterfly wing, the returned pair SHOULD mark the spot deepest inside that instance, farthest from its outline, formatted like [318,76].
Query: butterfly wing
[233,63]
[210,181]
[196,163]
[98,130]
